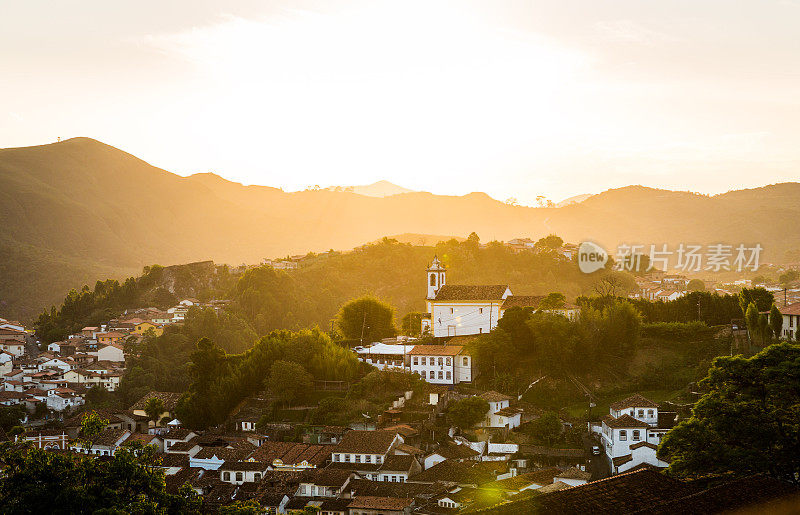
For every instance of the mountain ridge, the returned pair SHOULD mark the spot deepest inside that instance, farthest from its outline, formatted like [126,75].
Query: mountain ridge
[83,201]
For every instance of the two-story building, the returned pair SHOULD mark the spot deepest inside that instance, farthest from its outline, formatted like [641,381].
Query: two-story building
[631,434]
[442,364]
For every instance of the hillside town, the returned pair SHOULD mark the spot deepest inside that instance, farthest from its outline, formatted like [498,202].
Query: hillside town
[415,457]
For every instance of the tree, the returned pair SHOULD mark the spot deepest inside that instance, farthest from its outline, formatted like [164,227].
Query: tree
[547,428]
[747,423]
[758,296]
[465,413]
[549,242]
[412,323]
[775,321]
[696,285]
[552,301]
[289,381]
[249,507]
[366,319]
[11,416]
[38,481]
[92,425]
[154,408]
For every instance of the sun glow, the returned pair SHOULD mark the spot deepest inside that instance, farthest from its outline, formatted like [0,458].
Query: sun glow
[377,90]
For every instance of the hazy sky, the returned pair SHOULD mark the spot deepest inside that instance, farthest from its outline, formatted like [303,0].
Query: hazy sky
[515,98]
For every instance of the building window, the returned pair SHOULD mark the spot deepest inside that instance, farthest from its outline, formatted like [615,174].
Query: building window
[433,279]
[448,374]
[466,361]
[452,311]
[335,457]
[358,458]
[447,361]
[636,435]
[239,476]
[416,360]
[423,359]
[440,375]
[649,413]
[226,476]
[480,311]
[623,435]
[257,476]
[641,413]
[441,362]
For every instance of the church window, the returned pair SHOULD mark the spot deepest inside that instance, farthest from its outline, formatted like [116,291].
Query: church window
[480,310]
[452,310]
[433,279]
[466,361]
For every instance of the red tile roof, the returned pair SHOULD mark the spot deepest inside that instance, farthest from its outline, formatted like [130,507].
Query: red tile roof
[471,292]
[436,350]
[634,401]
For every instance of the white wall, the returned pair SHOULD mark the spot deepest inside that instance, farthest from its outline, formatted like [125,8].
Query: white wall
[464,318]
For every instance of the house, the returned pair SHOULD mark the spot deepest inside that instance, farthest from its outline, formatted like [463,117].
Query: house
[57,363]
[631,434]
[791,320]
[104,444]
[382,355]
[146,325]
[441,364]
[460,309]
[325,482]
[398,468]
[111,352]
[366,447]
[55,347]
[90,331]
[500,413]
[292,456]
[109,337]
[162,319]
[450,451]
[12,324]
[12,346]
[176,435]
[240,472]
[60,399]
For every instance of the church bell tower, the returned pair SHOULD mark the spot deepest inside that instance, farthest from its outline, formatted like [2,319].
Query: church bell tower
[435,277]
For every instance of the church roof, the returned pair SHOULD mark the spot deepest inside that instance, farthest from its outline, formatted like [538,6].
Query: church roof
[471,292]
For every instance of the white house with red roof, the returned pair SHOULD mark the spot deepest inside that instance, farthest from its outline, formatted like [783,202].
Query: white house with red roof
[791,320]
[631,434]
[441,364]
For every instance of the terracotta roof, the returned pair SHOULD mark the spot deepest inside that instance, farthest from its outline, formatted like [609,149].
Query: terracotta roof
[493,396]
[365,442]
[255,466]
[454,451]
[398,462]
[461,472]
[292,453]
[522,301]
[109,437]
[621,460]
[404,430]
[222,453]
[634,401]
[575,473]
[380,503]
[436,350]
[624,422]
[328,476]
[538,477]
[471,292]
[790,309]
[644,444]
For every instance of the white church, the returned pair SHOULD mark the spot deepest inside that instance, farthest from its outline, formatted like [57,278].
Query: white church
[461,309]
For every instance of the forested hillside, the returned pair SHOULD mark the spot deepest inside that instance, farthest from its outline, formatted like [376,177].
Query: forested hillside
[77,211]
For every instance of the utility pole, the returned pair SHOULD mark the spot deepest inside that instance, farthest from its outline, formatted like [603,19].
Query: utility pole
[363,323]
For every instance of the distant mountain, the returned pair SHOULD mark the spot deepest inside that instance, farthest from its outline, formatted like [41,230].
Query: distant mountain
[379,189]
[79,210]
[577,199]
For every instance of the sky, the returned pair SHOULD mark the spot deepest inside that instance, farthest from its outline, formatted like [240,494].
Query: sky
[513,98]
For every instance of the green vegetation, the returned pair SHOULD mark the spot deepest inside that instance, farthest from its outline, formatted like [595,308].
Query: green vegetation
[221,381]
[366,320]
[747,423]
[38,481]
[467,412]
[289,382]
